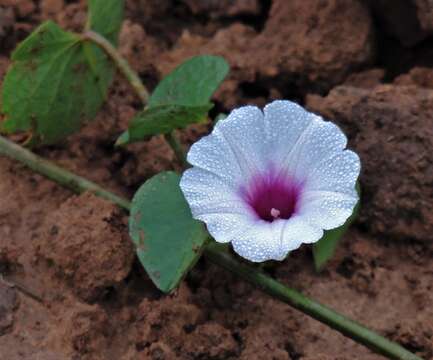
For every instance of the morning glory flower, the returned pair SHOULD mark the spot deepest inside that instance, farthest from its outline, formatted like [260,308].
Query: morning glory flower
[268,181]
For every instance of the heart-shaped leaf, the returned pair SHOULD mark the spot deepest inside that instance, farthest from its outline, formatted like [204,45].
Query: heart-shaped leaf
[191,83]
[105,18]
[162,119]
[180,99]
[57,80]
[168,240]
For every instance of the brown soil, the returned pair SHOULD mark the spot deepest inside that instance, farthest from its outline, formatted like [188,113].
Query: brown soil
[354,62]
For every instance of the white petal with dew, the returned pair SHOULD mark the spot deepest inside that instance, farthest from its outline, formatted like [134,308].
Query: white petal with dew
[243,131]
[327,209]
[272,241]
[214,202]
[285,123]
[213,154]
[322,140]
[208,192]
[297,231]
[224,227]
[260,242]
[338,173]
[232,150]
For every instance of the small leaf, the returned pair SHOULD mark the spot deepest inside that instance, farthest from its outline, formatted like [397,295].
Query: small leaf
[168,240]
[220,116]
[180,99]
[105,17]
[55,84]
[191,83]
[324,249]
[123,139]
[162,119]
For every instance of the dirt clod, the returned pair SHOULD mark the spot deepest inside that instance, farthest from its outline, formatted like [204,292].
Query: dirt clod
[87,243]
[8,304]
[87,329]
[225,8]
[315,49]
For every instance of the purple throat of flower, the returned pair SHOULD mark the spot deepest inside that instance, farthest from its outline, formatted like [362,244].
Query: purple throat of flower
[272,195]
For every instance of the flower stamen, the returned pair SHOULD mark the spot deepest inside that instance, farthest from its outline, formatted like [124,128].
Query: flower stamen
[275,213]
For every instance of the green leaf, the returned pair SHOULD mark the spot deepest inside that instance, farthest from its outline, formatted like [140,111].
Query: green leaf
[105,17]
[220,116]
[55,84]
[168,240]
[191,83]
[324,249]
[180,99]
[162,119]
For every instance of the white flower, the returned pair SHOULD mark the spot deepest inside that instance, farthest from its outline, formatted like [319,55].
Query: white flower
[270,181]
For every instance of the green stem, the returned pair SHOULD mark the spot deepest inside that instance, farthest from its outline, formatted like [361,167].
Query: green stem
[134,80]
[120,62]
[61,176]
[177,148]
[223,258]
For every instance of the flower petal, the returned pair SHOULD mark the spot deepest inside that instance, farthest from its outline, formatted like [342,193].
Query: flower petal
[207,192]
[243,130]
[321,141]
[327,209]
[338,173]
[260,242]
[232,150]
[272,241]
[212,153]
[297,231]
[224,227]
[285,122]
[212,201]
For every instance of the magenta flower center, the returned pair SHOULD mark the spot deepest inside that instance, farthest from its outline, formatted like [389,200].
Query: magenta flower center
[272,196]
